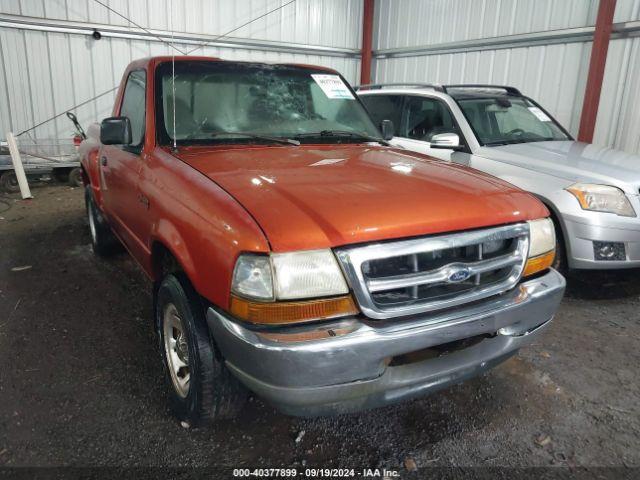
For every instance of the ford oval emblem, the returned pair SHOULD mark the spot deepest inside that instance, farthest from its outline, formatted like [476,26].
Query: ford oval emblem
[459,274]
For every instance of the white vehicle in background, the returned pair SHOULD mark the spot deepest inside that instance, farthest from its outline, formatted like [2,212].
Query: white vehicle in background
[44,158]
[592,192]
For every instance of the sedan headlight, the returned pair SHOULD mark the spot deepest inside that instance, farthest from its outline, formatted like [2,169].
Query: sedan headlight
[264,285]
[602,198]
[542,246]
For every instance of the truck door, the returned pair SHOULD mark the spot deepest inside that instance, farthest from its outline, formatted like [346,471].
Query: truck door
[120,167]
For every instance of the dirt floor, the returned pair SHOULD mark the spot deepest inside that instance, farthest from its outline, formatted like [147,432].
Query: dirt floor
[81,381]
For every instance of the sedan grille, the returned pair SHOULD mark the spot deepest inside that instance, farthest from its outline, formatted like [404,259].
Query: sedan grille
[426,274]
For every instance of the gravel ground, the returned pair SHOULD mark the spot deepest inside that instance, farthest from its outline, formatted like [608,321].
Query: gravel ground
[81,381]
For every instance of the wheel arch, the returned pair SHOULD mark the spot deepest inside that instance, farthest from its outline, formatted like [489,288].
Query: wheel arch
[163,261]
[85,176]
[557,220]
[169,254]
[91,171]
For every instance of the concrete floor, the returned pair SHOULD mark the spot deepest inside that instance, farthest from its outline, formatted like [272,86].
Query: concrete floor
[81,381]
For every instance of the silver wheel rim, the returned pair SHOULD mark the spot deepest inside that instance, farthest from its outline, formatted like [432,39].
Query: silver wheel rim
[176,349]
[92,223]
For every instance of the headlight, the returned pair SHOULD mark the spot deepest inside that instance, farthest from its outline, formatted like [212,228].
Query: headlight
[542,237]
[309,274]
[263,287]
[542,246]
[602,198]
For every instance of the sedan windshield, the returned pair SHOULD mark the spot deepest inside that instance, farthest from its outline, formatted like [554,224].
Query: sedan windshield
[225,102]
[502,121]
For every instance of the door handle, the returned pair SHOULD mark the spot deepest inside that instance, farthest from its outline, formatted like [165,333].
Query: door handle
[103,161]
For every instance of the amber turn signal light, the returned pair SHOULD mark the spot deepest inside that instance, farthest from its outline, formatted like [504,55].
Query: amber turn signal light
[539,263]
[279,313]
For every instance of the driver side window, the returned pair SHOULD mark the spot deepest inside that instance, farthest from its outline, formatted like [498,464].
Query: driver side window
[133,105]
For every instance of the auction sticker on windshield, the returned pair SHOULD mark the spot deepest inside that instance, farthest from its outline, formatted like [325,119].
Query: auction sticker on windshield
[333,86]
[539,114]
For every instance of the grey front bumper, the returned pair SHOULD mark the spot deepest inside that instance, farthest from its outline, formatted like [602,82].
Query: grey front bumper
[582,230]
[351,370]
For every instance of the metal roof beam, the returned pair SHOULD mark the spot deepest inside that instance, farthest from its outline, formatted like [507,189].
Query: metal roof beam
[151,35]
[550,37]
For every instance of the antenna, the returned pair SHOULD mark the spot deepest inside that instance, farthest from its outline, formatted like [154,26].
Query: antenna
[173,81]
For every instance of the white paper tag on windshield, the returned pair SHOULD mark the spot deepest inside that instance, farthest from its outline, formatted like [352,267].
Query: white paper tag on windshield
[539,114]
[333,86]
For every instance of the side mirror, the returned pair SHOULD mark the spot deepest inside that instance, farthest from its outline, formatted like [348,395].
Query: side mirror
[386,127]
[115,131]
[448,141]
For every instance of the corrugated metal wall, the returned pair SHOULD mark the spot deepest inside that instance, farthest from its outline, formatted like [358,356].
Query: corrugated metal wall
[44,73]
[555,75]
[403,23]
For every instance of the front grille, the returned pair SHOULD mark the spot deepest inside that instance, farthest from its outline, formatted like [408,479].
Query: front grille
[426,274]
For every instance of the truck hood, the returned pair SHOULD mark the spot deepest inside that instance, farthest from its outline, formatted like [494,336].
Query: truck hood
[573,161]
[311,197]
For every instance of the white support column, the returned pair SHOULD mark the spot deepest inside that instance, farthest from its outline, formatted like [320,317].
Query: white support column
[17,166]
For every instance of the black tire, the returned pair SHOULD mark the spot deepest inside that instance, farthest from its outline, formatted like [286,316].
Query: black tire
[211,392]
[9,182]
[103,241]
[61,175]
[75,177]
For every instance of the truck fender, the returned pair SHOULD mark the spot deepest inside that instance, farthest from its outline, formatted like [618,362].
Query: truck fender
[167,235]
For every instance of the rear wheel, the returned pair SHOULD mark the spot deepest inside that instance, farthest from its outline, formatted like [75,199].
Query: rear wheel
[75,177]
[202,389]
[9,182]
[103,241]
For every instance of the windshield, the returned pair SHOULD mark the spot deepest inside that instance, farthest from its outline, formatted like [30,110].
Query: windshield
[502,121]
[261,103]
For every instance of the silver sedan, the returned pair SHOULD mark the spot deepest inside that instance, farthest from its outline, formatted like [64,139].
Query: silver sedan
[592,192]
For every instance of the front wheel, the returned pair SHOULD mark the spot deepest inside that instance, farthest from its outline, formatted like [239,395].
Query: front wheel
[202,389]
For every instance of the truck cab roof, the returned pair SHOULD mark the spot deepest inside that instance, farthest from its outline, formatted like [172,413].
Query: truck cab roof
[156,60]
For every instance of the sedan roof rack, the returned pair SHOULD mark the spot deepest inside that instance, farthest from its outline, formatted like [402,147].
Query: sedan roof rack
[510,90]
[378,86]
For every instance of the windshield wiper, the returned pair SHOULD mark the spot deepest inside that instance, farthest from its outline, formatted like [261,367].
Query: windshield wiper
[285,141]
[344,133]
[520,140]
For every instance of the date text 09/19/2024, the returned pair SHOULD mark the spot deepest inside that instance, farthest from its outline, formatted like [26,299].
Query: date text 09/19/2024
[316,473]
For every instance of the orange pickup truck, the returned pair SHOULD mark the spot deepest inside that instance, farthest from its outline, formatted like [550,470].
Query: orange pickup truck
[297,255]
